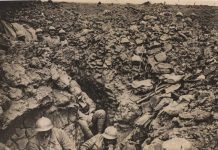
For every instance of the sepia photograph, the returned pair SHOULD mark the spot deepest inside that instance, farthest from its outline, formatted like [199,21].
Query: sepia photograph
[109,75]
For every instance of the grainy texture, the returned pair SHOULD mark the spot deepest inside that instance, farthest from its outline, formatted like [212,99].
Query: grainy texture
[141,63]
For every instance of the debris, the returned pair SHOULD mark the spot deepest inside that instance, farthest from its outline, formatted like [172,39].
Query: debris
[136,58]
[171,78]
[124,41]
[161,57]
[176,144]
[172,88]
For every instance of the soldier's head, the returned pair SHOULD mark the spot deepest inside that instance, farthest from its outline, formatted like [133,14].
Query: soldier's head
[179,15]
[39,34]
[52,30]
[110,136]
[44,127]
[62,34]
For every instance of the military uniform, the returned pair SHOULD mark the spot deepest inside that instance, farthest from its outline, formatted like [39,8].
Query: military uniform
[53,41]
[96,143]
[58,140]
[89,116]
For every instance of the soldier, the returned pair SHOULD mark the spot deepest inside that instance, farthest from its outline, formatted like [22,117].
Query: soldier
[63,39]
[39,35]
[105,141]
[53,40]
[19,44]
[88,115]
[40,41]
[49,137]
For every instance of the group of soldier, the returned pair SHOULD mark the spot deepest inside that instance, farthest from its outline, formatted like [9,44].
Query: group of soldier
[90,120]
[50,39]
[49,137]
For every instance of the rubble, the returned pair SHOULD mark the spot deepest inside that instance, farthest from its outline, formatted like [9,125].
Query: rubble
[148,66]
[176,144]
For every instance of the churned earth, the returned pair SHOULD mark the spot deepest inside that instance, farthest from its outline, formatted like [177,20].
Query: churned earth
[152,67]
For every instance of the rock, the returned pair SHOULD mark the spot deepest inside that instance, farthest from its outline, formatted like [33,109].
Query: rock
[18,108]
[215,116]
[186,98]
[185,115]
[134,28]
[174,109]
[152,62]
[16,74]
[20,132]
[108,61]
[161,57]
[136,58]
[177,144]
[165,37]
[73,84]
[97,76]
[172,88]
[123,57]
[57,120]
[154,101]
[140,50]
[124,41]
[143,120]
[85,32]
[163,68]
[64,80]
[1,111]
[61,77]
[61,97]
[155,146]
[200,115]
[171,78]
[30,132]
[148,17]
[200,78]
[34,77]
[22,143]
[154,44]
[146,84]
[15,93]
[42,92]
[5,102]
[167,47]
[163,103]
[139,41]
[127,110]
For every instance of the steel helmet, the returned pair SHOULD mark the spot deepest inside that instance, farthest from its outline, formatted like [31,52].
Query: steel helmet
[110,133]
[20,34]
[43,124]
[61,31]
[38,30]
[179,14]
[51,28]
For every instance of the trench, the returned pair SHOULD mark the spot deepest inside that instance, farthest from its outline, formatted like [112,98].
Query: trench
[20,131]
